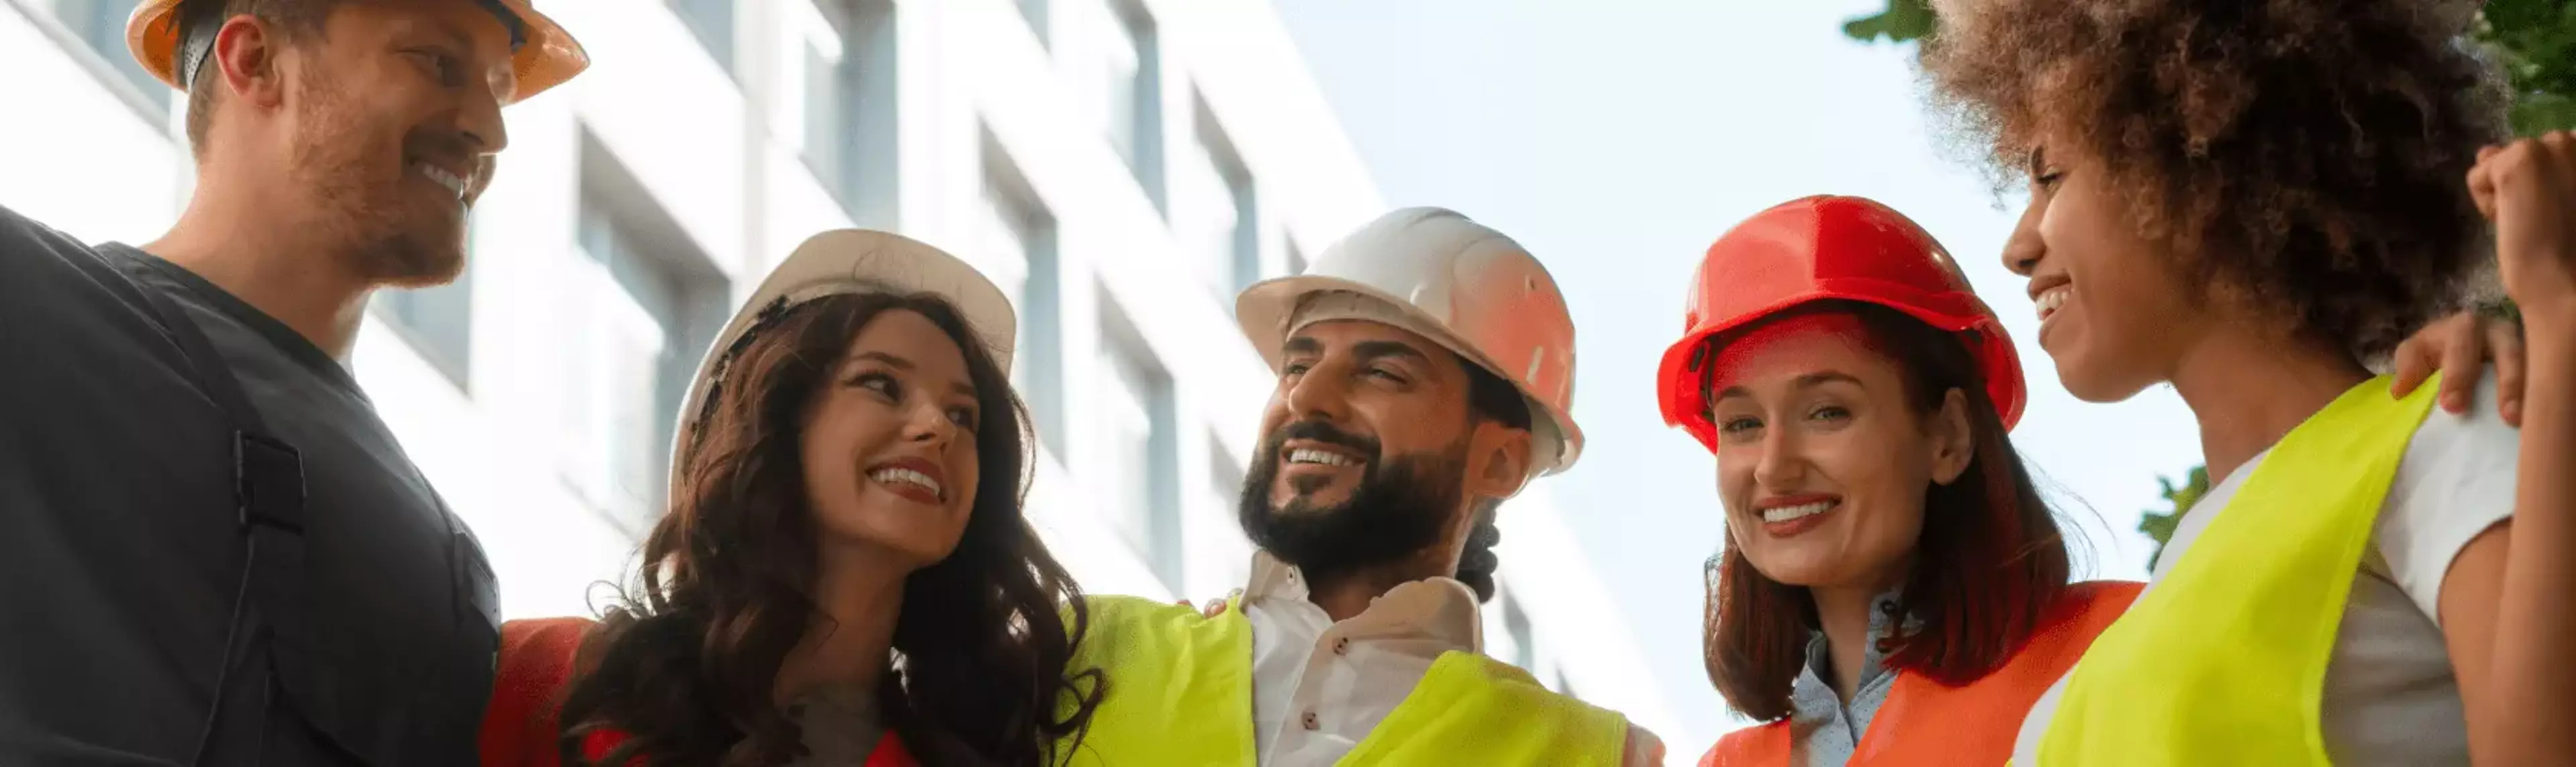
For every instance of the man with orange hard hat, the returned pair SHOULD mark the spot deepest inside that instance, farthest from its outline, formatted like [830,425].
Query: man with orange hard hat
[215,553]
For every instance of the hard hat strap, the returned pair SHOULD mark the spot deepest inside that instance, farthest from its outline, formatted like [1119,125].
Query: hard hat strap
[199,21]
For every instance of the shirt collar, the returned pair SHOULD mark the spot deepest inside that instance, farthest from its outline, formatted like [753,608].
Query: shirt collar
[1438,608]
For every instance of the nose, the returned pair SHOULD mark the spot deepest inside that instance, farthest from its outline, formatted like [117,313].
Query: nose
[1780,465]
[1319,394]
[481,121]
[2024,250]
[929,424]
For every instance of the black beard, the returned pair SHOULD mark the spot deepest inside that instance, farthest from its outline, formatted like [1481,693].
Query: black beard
[1402,506]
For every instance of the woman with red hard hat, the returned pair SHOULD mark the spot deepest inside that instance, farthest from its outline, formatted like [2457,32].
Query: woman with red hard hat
[1894,591]
[1890,571]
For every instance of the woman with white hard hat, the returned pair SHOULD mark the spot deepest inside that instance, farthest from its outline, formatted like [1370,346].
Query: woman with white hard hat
[846,490]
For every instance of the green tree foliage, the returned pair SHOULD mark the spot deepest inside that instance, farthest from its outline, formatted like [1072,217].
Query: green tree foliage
[2159,525]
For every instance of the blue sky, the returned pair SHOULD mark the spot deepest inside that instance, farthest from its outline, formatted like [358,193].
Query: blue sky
[1616,139]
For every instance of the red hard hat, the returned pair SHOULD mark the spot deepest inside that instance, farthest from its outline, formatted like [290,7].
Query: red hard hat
[1826,248]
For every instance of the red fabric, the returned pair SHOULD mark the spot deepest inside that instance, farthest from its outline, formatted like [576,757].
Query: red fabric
[520,729]
[1924,724]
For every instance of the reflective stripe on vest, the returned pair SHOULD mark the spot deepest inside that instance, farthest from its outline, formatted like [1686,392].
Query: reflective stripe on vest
[1925,723]
[2224,661]
[1180,693]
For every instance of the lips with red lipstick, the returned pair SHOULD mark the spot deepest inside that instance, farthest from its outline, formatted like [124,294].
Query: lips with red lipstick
[1789,515]
[913,478]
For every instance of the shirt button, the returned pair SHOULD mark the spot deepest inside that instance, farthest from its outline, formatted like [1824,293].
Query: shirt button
[1342,646]
[1311,726]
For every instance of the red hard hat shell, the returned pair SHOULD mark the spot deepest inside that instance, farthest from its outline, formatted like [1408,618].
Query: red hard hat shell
[1826,248]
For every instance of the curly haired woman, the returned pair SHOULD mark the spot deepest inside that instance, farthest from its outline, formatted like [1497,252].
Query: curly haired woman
[844,577]
[2249,200]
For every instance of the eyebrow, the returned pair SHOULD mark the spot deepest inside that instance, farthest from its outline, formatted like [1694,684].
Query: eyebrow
[1365,351]
[1808,381]
[905,365]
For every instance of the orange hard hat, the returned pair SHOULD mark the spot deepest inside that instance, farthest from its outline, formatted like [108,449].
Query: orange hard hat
[542,53]
[1828,248]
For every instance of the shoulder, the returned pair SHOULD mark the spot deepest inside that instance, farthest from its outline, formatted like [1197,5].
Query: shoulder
[535,666]
[1108,612]
[2455,482]
[1749,747]
[2091,598]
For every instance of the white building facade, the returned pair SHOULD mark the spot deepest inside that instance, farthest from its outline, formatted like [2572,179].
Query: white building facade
[1122,167]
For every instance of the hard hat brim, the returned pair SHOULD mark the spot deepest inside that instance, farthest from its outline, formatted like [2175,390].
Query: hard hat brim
[1263,311]
[1678,380]
[851,261]
[549,57]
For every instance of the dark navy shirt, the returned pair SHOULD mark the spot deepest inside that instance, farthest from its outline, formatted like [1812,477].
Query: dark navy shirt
[120,555]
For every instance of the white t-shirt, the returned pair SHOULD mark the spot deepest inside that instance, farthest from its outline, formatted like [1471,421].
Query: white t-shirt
[2390,697]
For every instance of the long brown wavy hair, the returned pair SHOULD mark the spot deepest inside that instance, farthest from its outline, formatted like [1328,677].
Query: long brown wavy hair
[1990,561]
[686,665]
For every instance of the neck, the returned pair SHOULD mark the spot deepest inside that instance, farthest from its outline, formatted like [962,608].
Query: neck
[1844,611]
[850,645]
[238,237]
[2249,390]
[1345,595]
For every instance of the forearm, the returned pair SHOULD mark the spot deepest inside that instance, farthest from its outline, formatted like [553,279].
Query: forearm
[2527,708]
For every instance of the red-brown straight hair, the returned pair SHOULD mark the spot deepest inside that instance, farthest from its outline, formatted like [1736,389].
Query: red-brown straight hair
[1990,560]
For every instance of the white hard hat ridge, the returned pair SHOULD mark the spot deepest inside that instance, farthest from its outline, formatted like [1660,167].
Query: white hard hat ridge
[1461,284]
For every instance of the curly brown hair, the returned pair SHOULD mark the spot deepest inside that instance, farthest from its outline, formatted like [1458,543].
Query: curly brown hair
[2303,155]
[685,667]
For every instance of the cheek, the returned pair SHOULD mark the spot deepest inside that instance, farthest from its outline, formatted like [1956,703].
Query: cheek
[965,475]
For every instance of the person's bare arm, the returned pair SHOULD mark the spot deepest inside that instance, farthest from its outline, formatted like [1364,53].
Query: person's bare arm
[2512,619]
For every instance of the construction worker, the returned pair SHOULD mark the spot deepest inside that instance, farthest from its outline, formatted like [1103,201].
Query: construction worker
[214,551]
[1425,367]
[2368,581]
[777,595]
[1893,590]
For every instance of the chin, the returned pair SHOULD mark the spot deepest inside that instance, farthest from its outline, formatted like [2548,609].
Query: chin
[2095,383]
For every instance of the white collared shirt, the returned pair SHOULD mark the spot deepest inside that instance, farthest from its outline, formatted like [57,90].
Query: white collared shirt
[1319,687]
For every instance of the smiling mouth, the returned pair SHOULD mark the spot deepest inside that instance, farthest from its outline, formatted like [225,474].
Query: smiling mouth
[455,184]
[900,480]
[1314,457]
[1801,511]
[2049,302]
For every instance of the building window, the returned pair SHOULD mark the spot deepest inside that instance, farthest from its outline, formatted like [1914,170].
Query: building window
[1035,11]
[100,24]
[1135,429]
[1131,73]
[1220,223]
[712,22]
[639,309]
[846,73]
[438,322]
[1016,237]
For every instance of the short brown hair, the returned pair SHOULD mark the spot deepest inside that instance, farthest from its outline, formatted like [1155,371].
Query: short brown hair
[298,20]
[2302,154]
[1990,561]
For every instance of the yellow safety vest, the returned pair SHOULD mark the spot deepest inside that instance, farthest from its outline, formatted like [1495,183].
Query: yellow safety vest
[1180,693]
[2224,661]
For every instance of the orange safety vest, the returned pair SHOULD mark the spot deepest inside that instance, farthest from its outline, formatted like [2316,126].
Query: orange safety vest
[1926,723]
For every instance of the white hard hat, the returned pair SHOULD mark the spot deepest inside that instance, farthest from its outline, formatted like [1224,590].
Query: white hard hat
[1478,292]
[856,261]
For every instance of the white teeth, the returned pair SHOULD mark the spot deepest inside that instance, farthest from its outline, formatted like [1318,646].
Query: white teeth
[1786,513]
[909,477]
[443,178]
[2049,302]
[1311,455]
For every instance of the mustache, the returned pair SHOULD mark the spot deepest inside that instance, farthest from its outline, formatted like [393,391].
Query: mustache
[1319,431]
